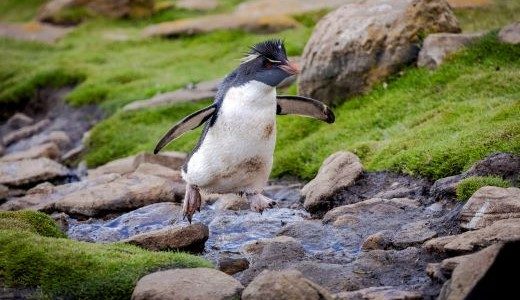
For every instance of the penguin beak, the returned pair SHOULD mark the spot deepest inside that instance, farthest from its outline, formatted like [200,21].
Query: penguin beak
[290,68]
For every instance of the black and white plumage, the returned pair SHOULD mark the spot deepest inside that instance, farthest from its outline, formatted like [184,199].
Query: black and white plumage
[235,151]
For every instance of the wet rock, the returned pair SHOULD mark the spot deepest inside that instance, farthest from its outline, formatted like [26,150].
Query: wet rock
[33,31]
[25,132]
[337,172]
[505,165]
[170,159]
[510,34]
[469,271]
[263,24]
[413,234]
[30,171]
[200,91]
[48,150]
[45,194]
[179,238]
[362,43]
[488,205]
[445,188]
[19,120]
[197,4]
[287,284]
[438,46]
[378,240]
[128,192]
[158,170]
[54,11]
[232,202]
[281,248]
[195,284]
[380,293]
[230,263]
[145,219]
[499,231]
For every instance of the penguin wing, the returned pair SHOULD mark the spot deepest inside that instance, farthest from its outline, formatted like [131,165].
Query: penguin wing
[303,106]
[190,122]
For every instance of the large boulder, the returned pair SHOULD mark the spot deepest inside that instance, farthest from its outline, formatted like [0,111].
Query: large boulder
[510,34]
[490,204]
[338,171]
[64,11]
[438,46]
[192,284]
[30,171]
[361,43]
[284,285]
[179,238]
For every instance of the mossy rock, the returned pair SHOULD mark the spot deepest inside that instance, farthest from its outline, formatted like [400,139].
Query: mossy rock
[467,187]
[32,221]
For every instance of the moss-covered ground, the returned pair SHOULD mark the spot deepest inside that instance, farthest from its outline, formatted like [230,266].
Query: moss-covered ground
[467,187]
[34,253]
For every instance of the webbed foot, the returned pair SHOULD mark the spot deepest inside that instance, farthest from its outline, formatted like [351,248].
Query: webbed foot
[192,201]
[260,202]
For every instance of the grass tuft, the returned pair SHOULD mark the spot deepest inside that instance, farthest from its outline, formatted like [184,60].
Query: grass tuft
[31,221]
[467,187]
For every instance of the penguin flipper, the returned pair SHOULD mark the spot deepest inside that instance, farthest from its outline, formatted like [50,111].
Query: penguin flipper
[188,123]
[303,106]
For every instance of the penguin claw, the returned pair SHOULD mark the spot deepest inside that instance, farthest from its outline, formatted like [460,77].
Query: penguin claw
[259,203]
[192,202]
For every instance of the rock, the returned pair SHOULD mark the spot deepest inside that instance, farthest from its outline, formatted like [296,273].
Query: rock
[30,171]
[2,149]
[193,284]
[231,263]
[59,138]
[4,192]
[488,205]
[197,4]
[33,31]
[73,155]
[231,202]
[445,188]
[469,271]
[19,120]
[48,150]
[409,235]
[158,170]
[62,220]
[179,238]
[380,293]
[505,165]
[263,24]
[361,43]
[467,242]
[45,194]
[170,159]
[25,132]
[510,34]
[273,250]
[337,172]
[379,240]
[120,166]
[145,219]
[287,284]
[196,92]
[55,11]
[125,193]
[468,3]
[438,46]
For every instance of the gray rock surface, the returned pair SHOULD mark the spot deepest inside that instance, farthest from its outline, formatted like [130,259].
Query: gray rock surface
[30,171]
[438,46]
[178,238]
[362,43]
[510,34]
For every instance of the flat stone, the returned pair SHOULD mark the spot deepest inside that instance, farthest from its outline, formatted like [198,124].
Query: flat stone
[19,120]
[193,284]
[125,193]
[48,150]
[510,34]
[25,132]
[232,263]
[170,159]
[197,4]
[158,170]
[489,204]
[33,31]
[471,241]
[286,284]
[438,46]
[30,171]
[363,42]
[120,166]
[179,238]
[338,171]
[380,293]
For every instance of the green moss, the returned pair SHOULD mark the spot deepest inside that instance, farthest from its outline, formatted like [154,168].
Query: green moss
[32,221]
[19,10]
[68,269]
[467,187]
[493,16]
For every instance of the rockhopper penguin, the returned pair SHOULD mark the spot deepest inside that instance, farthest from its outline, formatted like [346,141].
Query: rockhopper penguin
[235,151]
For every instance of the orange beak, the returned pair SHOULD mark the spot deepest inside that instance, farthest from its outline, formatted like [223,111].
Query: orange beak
[290,67]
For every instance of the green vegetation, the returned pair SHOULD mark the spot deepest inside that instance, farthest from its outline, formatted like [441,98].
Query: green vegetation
[470,185]
[34,254]
[493,16]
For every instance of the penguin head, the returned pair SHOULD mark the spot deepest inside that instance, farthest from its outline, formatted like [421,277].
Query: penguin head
[267,62]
